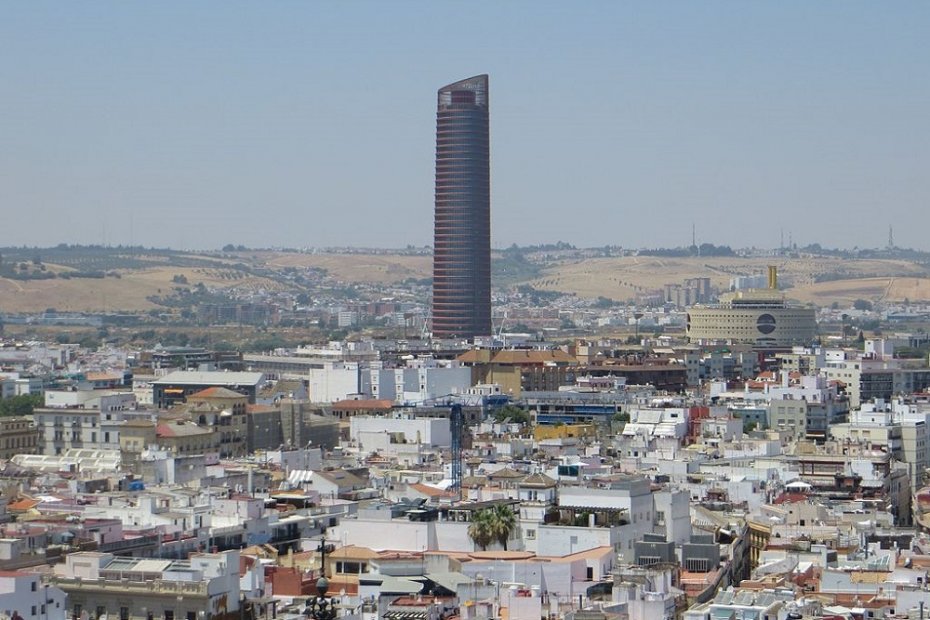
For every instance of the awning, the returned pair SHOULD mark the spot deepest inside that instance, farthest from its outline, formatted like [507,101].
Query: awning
[450,581]
[398,585]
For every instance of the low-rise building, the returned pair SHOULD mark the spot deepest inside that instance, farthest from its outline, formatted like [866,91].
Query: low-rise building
[18,435]
[176,387]
[102,584]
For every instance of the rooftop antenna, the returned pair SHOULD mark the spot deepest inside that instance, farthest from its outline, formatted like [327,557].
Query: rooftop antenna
[890,238]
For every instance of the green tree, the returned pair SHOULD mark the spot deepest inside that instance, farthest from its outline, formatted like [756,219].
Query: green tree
[512,413]
[503,523]
[480,529]
[492,524]
[21,405]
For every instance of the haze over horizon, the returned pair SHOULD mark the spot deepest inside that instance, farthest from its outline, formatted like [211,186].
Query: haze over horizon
[312,124]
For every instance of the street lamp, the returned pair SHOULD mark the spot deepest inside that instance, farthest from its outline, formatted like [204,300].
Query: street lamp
[319,607]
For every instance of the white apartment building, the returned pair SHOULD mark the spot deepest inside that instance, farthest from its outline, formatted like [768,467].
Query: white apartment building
[137,588]
[432,432]
[901,429]
[418,382]
[25,594]
[81,419]
[626,509]
[332,381]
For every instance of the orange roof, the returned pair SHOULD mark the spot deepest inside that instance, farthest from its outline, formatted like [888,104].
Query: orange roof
[216,392]
[429,491]
[353,552]
[475,356]
[517,356]
[587,554]
[400,555]
[526,356]
[102,376]
[180,430]
[23,504]
[363,404]
[14,573]
[260,409]
[791,498]
[502,555]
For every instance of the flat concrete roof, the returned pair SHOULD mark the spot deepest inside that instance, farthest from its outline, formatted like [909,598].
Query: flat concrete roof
[189,377]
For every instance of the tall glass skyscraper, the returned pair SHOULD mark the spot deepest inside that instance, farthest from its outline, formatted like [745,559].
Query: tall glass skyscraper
[462,225]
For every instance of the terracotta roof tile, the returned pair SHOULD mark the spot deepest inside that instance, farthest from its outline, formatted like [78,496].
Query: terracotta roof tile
[363,405]
[216,392]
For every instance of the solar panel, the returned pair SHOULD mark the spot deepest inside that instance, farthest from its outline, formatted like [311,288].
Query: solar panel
[724,597]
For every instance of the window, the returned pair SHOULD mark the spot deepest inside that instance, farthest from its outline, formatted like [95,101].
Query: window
[697,565]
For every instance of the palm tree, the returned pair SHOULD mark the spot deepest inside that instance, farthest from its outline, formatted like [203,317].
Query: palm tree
[480,529]
[503,523]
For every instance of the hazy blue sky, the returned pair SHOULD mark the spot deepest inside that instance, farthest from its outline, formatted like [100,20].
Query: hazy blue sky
[195,124]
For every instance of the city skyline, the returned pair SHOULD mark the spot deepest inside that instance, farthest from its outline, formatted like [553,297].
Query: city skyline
[621,124]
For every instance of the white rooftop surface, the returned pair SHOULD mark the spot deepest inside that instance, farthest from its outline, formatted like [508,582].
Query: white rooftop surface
[151,566]
[189,377]
[84,460]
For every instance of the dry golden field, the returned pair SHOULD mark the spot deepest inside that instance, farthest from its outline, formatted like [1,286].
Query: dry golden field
[617,278]
[873,289]
[127,293]
[357,268]
[624,278]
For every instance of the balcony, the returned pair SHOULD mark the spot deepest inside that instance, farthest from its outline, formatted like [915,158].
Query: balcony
[185,588]
[130,544]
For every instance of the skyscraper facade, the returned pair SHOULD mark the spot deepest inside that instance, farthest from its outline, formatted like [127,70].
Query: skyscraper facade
[462,224]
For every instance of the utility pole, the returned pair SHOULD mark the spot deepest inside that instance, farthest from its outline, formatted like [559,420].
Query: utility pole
[322,549]
[319,607]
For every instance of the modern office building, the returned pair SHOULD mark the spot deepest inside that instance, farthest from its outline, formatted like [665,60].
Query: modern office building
[462,227]
[760,317]
[175,387]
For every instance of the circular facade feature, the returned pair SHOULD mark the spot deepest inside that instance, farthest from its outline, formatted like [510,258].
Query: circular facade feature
[772,326]
[765,323]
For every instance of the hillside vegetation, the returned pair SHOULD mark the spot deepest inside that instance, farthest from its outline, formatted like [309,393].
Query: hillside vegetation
[99,279]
